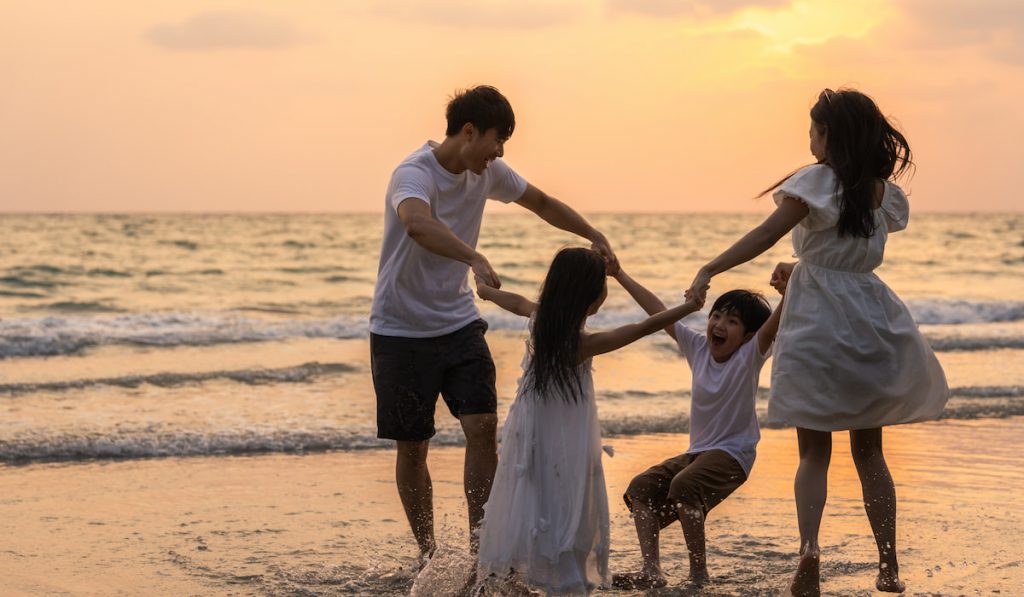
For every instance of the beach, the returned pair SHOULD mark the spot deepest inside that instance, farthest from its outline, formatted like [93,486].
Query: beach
[331,523]
[186,409]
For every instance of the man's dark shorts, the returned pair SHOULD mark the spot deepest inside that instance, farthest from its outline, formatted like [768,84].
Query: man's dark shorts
[700,480]
[409,373]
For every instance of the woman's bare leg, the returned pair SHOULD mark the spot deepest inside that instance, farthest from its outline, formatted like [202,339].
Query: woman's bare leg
[879,502]
[811,489]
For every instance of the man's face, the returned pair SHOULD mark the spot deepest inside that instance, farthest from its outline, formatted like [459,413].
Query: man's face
[481,149]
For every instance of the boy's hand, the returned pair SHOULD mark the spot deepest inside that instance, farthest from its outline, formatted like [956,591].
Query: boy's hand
[780,277]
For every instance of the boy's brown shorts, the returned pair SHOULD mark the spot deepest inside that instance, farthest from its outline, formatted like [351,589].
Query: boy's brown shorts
[701,480]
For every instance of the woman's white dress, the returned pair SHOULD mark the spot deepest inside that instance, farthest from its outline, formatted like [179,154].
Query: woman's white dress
[848,355]
[547,516]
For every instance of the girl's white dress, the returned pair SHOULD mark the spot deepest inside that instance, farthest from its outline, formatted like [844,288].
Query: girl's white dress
[547,515]
[848,355]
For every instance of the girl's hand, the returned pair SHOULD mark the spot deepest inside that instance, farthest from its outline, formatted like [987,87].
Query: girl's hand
[780,277]
[696,301]
[700,285]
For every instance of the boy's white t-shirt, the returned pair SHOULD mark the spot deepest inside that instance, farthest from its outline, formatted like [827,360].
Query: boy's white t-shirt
[722,412]
[420,294]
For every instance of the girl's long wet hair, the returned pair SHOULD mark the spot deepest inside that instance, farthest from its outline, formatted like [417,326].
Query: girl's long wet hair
[861,147]
[575,280]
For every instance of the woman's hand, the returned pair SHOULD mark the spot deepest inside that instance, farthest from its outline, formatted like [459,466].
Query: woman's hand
[700,285]
[780,276]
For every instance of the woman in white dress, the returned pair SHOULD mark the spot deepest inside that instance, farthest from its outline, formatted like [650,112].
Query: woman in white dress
[546,519]
[848,355]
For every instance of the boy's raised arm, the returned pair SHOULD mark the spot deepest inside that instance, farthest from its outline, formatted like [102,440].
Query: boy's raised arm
[779,281]
[509,301]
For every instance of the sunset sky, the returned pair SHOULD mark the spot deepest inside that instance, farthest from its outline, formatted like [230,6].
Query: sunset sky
[621,105]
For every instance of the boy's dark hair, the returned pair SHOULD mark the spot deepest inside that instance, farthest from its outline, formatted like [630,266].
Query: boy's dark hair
[574,281]
[485,108]
[751,307]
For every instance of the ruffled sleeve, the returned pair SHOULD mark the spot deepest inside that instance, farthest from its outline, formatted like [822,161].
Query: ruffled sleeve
[815,186]
[895,207]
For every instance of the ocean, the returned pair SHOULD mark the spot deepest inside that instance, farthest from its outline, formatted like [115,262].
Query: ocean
[106,321]
[141,338]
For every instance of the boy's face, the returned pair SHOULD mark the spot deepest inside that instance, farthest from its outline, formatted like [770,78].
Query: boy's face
[481,149]
[726,333]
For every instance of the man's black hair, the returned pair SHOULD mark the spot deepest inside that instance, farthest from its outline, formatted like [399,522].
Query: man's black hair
[485,108]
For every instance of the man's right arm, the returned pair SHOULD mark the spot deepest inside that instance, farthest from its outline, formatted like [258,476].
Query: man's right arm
[432,235]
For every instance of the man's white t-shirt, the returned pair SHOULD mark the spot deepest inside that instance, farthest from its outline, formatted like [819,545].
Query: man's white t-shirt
[722,412]
[420,294]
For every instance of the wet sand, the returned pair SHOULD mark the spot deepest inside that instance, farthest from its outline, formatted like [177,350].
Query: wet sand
[331,523]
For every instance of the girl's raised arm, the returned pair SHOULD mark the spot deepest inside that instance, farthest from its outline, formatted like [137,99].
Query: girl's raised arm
[509,301]
[787,215]
[647,300]
[602,342]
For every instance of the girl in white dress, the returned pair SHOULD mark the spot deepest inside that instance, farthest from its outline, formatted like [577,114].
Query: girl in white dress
[848,355]
[546,518]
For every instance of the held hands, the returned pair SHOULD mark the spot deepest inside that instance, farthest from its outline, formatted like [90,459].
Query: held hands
[601,245]
[483,272]
[780,277]
[697,300]
[699,287]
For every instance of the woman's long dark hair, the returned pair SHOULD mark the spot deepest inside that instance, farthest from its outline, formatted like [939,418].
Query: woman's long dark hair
[861,147]
[574,281]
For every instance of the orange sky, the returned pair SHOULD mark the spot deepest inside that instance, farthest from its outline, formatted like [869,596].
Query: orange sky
[622,105]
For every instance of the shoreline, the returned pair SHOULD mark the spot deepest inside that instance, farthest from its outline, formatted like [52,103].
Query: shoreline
[331,523]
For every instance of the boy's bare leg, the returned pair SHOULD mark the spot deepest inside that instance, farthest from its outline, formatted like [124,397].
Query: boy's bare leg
[648,531]
[811,489]
[478,472]
[880,504]
[416,492]
[692,519]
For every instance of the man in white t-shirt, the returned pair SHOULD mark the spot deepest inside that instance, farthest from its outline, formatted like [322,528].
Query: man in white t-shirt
[427,337]
[726,364]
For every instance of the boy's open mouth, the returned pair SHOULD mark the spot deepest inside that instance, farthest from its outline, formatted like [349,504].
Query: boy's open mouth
[717,339]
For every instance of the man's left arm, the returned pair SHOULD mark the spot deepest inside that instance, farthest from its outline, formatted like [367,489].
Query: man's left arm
[562,216]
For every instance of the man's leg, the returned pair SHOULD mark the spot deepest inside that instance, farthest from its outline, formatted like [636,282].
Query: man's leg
[478,472]
[416,492]
[879,502]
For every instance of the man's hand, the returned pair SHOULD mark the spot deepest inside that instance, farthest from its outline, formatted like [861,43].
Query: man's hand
[780,277]
[601,245]
[483,272]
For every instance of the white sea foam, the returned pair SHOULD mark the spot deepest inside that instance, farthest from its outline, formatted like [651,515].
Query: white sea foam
[50,336]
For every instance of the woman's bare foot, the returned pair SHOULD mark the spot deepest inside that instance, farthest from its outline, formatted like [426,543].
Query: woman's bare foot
[889,581]
[807,580]
[639,581]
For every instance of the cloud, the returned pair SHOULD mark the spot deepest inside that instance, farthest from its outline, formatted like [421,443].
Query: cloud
[996,27]
[224,30]
[508,14]
[690,8]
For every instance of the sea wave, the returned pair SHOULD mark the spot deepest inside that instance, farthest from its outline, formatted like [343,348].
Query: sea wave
[80,330]
[54,336]
[304,373]
[154,441]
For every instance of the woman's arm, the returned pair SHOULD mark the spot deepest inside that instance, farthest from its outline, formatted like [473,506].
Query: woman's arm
[602,342]
[785,217]
[509,301]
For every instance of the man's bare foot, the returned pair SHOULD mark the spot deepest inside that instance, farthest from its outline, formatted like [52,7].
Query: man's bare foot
[638,581]
[807,580]
[888,580]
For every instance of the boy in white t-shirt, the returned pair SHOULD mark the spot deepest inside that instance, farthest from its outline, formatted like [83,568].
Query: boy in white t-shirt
[724,432]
